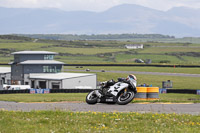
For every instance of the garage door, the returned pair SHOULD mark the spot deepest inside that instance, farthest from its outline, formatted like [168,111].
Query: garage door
[42,84]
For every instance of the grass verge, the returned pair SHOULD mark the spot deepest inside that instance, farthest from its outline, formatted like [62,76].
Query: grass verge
[175,98]
[52,97]
[80,97]
[81,122]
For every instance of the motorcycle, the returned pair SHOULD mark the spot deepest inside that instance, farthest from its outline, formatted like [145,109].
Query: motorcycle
[121,92]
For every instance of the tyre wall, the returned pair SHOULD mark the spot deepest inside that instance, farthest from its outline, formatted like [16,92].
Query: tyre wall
[147,93]
[152,93]
[141,93]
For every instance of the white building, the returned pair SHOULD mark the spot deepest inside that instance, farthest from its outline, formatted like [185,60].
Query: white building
[38,69]
[64,80]
[134,46]
[5,76]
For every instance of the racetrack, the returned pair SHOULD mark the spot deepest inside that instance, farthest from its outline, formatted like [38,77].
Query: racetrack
[193,109]
[147,73]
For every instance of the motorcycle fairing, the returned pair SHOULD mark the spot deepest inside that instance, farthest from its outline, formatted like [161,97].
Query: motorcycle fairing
[108,99]
[116,88]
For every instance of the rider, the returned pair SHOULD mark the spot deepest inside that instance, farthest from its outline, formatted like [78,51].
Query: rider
[132,80]
[129,78]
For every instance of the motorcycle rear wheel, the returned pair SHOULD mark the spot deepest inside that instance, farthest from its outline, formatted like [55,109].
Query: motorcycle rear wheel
[123,100]
[91,98]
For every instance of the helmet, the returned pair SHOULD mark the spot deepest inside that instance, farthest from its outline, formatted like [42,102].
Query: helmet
[131,77]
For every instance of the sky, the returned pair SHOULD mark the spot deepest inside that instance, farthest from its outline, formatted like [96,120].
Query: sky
[97,5]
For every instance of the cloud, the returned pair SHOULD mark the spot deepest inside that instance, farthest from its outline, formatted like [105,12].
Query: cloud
[96,5]
[93,5]
[31,3]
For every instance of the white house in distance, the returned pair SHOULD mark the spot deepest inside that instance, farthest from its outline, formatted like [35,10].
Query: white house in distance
[134,46]
[39,70]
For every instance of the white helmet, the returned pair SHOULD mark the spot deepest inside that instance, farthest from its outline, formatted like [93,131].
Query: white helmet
[131,77]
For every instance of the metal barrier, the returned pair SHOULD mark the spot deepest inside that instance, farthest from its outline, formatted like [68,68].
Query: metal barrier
[43,91]
[142,92]
[182,91]
[13,91]
[70,90]
[142,65]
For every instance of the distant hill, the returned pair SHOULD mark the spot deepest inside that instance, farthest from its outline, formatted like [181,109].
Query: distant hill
[126,18]
[15,37]
[96,37]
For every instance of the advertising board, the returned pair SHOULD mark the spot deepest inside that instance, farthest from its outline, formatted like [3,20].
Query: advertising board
[39,91]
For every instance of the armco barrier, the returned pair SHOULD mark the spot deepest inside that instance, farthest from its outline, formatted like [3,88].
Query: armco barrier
[51,91]
[142,65]
[14,91]
[70,90]
[142,91]
[183,91]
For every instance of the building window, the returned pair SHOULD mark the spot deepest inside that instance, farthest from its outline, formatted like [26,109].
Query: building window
[45,69]
[50,69]
[48,57]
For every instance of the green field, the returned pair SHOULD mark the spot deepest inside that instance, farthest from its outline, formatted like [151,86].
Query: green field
[179,98]
[93,122]
[83,59]
[105,51]
[163,50]
[156,58]
[85,51]
[155,80]
[23,45]
[80,97]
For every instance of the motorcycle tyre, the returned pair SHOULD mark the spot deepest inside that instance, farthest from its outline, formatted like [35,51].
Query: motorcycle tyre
[131,97]
[91,101]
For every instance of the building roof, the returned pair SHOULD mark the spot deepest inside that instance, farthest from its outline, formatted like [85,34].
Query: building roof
[27,62]
[5,70]
[34,52]
[58,76]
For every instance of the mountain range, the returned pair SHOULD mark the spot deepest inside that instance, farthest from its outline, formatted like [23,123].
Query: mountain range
[126,18]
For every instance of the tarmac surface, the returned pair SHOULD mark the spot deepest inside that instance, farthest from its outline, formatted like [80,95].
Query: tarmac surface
[148,73]
[193,109]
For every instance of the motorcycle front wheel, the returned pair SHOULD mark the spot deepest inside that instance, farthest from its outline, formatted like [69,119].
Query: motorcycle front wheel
[125,99]
[91,98]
